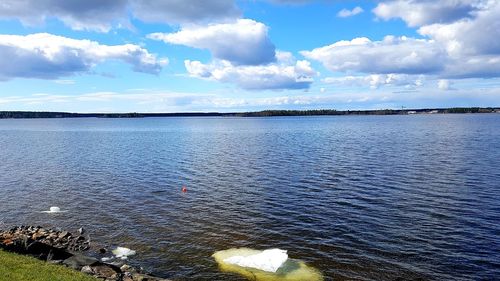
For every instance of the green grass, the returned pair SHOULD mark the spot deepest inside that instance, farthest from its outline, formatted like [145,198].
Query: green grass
[14,267]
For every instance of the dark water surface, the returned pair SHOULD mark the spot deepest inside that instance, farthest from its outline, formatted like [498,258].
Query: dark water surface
[368,198]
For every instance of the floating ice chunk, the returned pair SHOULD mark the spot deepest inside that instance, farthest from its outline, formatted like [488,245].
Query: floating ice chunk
[53,210]
[123,253]
[290,270]
[267,260]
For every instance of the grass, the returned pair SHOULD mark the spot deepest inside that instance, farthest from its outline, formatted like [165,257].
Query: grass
[14,267]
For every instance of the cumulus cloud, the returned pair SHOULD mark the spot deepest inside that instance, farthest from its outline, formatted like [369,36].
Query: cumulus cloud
[100,15]
[147,102]
[473,32]
[471,44]
[92,14]
[344,13]
[286,73]
[444,84]
[161,101]
[184,11]
[49,56]
[469,36]
[391,55]
[244,42]
[422,12]
[464,46]
[375,81]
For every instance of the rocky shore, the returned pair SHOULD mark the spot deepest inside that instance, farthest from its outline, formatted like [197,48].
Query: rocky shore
[65,248]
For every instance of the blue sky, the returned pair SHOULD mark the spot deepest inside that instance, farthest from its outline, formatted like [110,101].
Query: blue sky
[226,55]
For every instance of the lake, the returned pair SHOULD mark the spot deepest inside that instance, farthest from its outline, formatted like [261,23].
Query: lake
[357,197]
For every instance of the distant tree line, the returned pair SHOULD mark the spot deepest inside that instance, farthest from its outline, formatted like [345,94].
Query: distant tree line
[35,114]
[470,110]
[316,112]
[264,113]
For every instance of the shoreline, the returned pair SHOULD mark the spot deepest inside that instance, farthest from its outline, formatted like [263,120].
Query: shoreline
[74,251]
[263,113]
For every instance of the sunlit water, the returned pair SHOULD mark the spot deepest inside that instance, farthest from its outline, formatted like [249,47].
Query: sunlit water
[366,197]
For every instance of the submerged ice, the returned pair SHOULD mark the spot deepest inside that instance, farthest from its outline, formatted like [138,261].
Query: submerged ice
[267,260]
[122,252]
[267,265]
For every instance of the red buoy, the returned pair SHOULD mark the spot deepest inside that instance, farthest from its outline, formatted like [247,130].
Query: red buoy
[184,189]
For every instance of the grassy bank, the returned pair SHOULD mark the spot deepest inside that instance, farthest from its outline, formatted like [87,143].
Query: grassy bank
[16,267]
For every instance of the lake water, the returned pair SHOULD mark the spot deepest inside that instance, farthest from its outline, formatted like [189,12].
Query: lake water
[358,197]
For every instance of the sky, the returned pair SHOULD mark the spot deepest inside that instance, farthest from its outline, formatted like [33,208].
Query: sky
[247,55]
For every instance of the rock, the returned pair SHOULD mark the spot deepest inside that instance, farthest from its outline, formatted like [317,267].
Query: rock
[87,270]
[139,277]
[127,278]
[63,234]
[6,239]
[38,235]
[78,261]
[46,252]
[54,246]
[106,271]
[125,267]
[144,277]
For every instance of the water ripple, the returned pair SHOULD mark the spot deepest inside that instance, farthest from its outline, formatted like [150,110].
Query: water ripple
[365,198]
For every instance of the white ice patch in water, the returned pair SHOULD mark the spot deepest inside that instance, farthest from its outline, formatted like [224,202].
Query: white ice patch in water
[53,210]
[105,259]
[268,260]
[123,253]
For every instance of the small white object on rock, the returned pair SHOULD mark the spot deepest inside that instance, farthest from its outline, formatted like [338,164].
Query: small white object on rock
[87,269]
[125,267]
[268,260]
[123,253]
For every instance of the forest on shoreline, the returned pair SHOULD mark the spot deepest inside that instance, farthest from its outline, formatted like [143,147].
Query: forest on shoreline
[264,113]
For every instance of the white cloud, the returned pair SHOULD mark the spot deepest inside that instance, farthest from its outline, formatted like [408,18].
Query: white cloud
[286,73]
[391,55]
[143,101]
[344,13]
[163,101]
[48,56]
[469,36]
[148,101]
[473,32]
[464,46]
[64,82]
[184,11]
[375,81]
[422,12]
[100,15]
[444,84]
[472,44]
[244,42]
[93,14]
